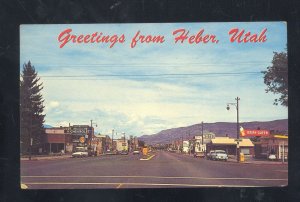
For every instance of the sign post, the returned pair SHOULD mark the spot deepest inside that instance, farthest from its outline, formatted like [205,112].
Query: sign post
[283,152]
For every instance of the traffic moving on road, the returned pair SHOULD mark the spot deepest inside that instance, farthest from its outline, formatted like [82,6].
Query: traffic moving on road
[160,169]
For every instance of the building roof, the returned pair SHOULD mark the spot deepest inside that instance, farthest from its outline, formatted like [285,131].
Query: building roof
[58,131]
[99,136]
[246,143]
[231,141]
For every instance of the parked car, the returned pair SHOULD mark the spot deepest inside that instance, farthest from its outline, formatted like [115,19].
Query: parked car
[109,152]
[124,152]
[199,154]
[80,152]
[209,154]
[219,155]
[272,157]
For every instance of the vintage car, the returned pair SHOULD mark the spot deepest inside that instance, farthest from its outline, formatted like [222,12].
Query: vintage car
[219,155]
[136,152]
[80,152]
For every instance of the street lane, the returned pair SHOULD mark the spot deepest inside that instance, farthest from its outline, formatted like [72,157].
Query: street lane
[164,170]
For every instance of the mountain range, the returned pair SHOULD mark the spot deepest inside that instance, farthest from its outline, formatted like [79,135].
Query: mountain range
[220,129]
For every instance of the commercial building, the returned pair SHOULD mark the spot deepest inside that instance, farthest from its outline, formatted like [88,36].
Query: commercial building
[197,142]
[230,145]
[273,144]
[56,139]
[185,146]
[121,145]
[67,139]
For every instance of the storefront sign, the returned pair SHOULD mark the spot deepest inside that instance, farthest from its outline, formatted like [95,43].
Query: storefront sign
[80,131]
[81,139]
[253,133]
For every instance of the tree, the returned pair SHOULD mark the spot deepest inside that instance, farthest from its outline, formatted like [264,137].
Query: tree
[31,109]
[276,78]
[141,143]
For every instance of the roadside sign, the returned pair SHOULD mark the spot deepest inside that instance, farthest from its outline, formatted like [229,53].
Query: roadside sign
[145,151]
[81,139]
[78,130]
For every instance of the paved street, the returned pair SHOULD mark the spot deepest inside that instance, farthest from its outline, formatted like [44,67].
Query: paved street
[163,170]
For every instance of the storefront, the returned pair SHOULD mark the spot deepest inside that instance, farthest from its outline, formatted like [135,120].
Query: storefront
[274,144]
[80,136]
[55,140]
[230,145]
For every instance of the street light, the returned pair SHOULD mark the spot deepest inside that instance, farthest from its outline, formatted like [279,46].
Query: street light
[202,136]
[124,140]
[237,126]
[92,132]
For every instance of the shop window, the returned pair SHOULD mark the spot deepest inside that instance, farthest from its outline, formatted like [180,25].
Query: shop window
[245,151]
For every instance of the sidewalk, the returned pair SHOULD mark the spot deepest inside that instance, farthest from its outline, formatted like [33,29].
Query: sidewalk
[49,157]
[251,160]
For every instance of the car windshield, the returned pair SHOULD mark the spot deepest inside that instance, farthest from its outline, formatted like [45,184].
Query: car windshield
[79,149]
[221,152]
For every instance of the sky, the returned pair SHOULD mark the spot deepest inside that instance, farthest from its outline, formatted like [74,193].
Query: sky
[153,86]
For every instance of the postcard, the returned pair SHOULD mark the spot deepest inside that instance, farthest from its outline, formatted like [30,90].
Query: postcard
[153,105]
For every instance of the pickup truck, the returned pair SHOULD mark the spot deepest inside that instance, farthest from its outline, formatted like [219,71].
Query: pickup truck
[219,155]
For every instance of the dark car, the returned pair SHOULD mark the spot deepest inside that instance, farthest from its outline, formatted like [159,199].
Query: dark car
[136,152]
[124,152]
[209,154]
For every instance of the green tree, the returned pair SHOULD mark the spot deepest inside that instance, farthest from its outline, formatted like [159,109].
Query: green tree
[276,78]
[31,109]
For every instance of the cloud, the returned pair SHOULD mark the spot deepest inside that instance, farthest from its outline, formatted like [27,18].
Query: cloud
[152,87]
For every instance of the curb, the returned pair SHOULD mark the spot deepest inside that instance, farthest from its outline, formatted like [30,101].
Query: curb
[260,163]
[44,158]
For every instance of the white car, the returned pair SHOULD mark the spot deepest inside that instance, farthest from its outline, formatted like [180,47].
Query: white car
[219,155]
[272,157]
[80,154]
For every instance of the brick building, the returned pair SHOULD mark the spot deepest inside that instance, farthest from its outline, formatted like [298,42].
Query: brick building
[56,139]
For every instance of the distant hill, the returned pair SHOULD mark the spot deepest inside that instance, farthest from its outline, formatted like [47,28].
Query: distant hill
[219,128]
[47,126]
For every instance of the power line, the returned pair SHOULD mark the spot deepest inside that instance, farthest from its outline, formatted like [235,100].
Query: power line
[152,64]
[153,75]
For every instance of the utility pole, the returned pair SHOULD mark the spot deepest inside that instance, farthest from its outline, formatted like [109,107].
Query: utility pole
[124,143]
[237,126]
[202,134]
[30,138]
[112,139]
[181,144]
[91,132]
[283,152]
